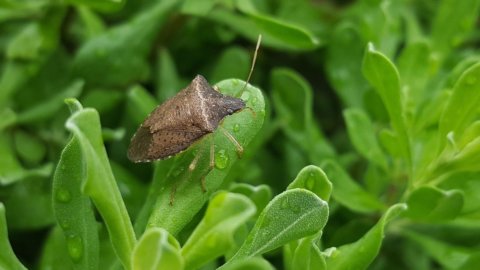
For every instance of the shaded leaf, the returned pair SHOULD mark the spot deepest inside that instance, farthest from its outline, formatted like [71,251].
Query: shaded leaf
[214,235]
[291,215]
[157,249]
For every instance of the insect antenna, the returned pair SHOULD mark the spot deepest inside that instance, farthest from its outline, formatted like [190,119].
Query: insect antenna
[254,60]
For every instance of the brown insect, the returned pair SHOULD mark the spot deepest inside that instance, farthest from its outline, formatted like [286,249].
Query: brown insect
[184,119]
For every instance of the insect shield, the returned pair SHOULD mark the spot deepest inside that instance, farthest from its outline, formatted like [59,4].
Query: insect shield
[184,119]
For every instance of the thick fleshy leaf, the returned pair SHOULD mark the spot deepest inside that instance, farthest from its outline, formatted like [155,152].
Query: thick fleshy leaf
[448,33]
[112,59]
[260,195]
[433,204]
[8,260]
[360,254]
[307,255]
[349,193]
[292,98]
[447,255]
[291,215]
[73,210]
[214,235]
[100,184]
[361,132]
[314,179]
[254,263]
[54,252]
[157,250]
[383,76]
[462,106]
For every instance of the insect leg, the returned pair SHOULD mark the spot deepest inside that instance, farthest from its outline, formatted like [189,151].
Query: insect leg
[232,139]
[211,165]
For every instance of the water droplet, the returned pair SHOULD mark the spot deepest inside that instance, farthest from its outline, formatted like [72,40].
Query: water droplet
[254,101]
[221,159]
[235,82]
[75,247]
[236,128]
[63,195]
[310,183]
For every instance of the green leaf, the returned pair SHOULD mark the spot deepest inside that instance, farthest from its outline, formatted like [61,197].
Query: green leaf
[32,195]
[360,254]
[448,33]
[292,98]
[157,249]
[93,23]
[100,184]
[140,103]
[73,210]
[275,33]
[47,109]
[54,252]
[102,100]
[160,173]
[260,195]
[254,263]
[30,148]
[462,106]
[7,118]
[314,179]
[113,59]
[214,235]
[361,132]
[197,7]
[8,260]
[102,5]
[308,256]
[168,81]
[234,62]
[383,76]
[342,64]
[291,215]
[434,205]
[349,193]
[189,197]
[446,254]
[416,65]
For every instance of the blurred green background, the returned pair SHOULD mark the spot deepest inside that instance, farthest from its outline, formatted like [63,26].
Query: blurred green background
[324,102]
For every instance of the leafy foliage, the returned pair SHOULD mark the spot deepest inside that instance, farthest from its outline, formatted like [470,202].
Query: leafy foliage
[361,141]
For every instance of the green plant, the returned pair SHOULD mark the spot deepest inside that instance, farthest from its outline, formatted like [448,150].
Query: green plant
[361,143]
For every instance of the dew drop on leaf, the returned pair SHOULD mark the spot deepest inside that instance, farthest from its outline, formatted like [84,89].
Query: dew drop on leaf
[236,128]
[310,183]
[63,195]
[75,247]
[221,159]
